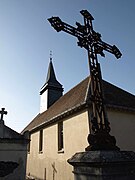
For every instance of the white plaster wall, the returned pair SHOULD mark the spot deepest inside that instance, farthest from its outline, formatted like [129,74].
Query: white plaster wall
[123,128]
[75,134]
[51,165]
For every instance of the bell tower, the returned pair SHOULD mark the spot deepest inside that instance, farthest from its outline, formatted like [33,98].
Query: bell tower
[51,91]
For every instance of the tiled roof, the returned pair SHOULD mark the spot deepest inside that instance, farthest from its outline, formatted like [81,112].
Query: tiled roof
[117,97]
[77,97]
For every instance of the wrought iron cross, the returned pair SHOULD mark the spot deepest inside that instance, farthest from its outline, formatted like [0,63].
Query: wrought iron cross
[2,112]
[99,137]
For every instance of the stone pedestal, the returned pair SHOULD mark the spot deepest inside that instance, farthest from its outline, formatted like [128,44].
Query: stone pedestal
[103,165]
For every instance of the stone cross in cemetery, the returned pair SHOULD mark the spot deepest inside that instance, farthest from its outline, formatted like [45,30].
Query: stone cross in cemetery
[2,112]
[99,137]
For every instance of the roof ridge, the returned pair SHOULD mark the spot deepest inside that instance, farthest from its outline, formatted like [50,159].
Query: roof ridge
[88,89]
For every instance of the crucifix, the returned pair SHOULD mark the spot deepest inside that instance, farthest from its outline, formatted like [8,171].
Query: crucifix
[99,137]
[2,112]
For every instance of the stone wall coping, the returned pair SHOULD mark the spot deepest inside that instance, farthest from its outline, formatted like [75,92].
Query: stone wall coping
[101,157]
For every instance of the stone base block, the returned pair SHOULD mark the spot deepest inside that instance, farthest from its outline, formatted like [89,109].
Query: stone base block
[103,165]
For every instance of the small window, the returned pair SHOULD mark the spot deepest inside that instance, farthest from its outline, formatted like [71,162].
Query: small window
[41,140]
[60,136]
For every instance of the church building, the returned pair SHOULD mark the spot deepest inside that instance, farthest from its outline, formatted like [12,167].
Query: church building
[62,125]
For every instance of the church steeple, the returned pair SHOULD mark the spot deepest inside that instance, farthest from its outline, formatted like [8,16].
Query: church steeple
[51,74]
[51,91]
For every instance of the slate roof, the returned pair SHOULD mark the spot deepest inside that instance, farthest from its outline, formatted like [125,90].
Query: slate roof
[51,79]
[78,98]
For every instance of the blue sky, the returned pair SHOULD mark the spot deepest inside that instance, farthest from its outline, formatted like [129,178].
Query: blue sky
[26,39]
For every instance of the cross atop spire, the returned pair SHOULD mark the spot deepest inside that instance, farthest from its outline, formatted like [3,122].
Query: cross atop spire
[2,112]
[50,56]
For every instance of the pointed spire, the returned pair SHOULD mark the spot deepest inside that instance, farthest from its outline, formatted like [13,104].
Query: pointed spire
[51,74]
